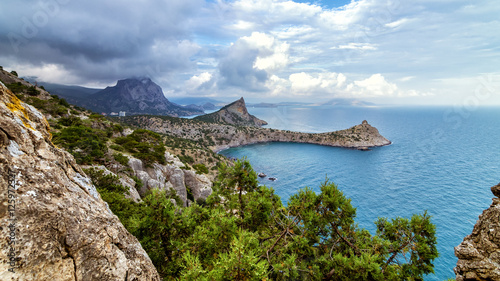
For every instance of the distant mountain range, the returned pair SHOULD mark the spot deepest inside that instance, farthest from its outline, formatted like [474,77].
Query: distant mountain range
[346,102]
[332,102]
[133,95]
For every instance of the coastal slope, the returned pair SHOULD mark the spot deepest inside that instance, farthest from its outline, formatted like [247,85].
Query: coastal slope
[54,223]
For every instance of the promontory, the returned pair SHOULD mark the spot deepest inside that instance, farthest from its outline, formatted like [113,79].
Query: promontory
[233,126]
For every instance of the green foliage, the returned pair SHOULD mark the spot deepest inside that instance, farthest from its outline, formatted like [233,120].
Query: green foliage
[243,232]
[145,145]
[17,87]
[120,158]
[32,91]
[13,72]
[51,106]
[113,193]
[70,121]
[200,168]
[86,144]
[186,159]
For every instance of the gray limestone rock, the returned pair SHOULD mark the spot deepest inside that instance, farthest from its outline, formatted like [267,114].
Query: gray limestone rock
[200,185]
[177,181]
[63,229]
[479,254]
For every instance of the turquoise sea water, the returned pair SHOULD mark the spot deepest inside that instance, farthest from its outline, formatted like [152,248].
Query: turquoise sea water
[443,160]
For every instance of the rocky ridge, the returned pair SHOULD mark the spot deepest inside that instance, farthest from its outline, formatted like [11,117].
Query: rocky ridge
[62,228]
[235,113]
[479,253]
[220,136]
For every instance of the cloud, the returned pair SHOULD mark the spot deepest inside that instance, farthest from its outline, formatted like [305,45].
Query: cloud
[376,85]
[199,81]
[254,47]
[99,40]
[248,61]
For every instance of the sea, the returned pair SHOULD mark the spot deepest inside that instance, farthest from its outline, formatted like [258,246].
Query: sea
[442,159]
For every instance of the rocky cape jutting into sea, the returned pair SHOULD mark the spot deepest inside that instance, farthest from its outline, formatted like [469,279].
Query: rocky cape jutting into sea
[231,128]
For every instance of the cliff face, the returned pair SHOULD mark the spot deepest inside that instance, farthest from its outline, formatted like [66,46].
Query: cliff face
[235,113]
[479,253]
[136,96]
[54,225]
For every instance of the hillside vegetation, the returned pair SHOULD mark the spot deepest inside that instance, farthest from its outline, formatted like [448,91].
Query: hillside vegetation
[241,231]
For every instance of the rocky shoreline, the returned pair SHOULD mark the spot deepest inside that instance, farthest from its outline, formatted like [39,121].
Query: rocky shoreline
[218,137]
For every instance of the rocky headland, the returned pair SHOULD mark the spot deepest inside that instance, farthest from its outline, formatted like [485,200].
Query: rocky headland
[218,136]
[479,253]
[55,226]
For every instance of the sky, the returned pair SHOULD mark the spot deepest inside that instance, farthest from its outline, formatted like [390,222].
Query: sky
[386,51]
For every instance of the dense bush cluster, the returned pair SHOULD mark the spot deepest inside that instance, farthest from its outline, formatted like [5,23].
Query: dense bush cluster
[145,145]
[86,144]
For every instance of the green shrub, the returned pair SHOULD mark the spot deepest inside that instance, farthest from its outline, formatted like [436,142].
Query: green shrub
[145,145]
[86,144]
[120,158]
[70,121]
[17,87]
[116,147]
[200,168]
[32,91]
[14,73]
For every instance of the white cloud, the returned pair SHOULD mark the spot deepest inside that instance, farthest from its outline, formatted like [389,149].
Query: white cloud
[260,47]
[357,46]
[397,23]
[376,85]
[197,80]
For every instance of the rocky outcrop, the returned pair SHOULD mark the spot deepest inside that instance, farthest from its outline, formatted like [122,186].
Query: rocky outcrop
[136,96]
[54,225]
[221,136]
[235,113]
[171,177]
[479,254]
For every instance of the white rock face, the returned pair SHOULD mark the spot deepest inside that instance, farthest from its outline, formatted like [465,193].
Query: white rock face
[63,229]
[171,176]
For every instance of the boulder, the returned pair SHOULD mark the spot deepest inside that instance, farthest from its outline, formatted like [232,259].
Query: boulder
[200,185]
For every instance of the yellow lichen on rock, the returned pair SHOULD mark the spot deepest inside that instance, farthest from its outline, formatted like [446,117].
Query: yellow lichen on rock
[15,106]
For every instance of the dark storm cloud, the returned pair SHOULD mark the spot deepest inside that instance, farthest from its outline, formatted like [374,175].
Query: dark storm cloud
[100,40]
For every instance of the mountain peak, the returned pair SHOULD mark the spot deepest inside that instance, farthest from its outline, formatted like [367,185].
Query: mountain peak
[235,113]
[137,95]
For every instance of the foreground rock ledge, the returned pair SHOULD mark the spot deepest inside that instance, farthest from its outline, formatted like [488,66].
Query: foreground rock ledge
[479,254]
[62,229]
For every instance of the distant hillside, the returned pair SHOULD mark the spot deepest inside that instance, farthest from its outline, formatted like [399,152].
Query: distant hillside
[66,91]
[346,102]
[204,102]
[234,113]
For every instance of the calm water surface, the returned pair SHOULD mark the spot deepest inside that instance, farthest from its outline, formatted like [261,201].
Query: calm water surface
[442,160]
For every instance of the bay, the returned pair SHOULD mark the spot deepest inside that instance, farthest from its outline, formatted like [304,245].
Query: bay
[443,160]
